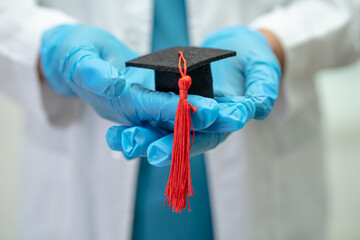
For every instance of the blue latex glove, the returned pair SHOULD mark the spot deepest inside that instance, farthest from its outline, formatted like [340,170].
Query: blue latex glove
[251,78]
[248,82]
[156,143]
[89,63]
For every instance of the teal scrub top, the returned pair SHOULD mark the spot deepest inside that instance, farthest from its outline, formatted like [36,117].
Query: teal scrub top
[152,220]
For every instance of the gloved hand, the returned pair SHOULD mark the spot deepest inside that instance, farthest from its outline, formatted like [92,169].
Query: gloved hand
[89,63]
[252,77]
[156,143]
[247,84]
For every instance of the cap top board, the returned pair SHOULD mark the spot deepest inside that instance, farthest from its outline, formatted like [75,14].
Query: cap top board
[167,60]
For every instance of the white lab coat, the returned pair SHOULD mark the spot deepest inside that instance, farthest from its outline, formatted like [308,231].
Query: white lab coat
[266,181]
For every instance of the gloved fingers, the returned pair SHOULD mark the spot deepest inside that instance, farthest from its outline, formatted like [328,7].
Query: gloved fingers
[84,67]
[256,62]
[234,112]
[156,144]
[261,83]
[161,106]
[132,141]
[159,152]
[113,137]
[239,100]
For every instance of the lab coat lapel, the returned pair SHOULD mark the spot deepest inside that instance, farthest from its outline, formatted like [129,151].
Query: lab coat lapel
[138,35]
[228,180]
[203,17]
[138,25]
[226,164]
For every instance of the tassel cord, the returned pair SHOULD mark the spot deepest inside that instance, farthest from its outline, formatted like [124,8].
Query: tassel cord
[179,187]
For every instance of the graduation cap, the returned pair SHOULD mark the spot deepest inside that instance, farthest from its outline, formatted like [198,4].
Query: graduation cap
[165,64]
[187,69]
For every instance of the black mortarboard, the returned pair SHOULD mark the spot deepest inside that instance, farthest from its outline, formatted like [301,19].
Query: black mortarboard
[165,63]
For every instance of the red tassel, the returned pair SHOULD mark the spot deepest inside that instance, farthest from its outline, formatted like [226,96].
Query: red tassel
[179,186]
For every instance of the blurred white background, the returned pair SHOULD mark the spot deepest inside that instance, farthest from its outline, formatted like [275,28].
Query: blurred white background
[339,92]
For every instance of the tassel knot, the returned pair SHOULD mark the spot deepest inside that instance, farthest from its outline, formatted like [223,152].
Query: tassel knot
[185,82]
[184,85]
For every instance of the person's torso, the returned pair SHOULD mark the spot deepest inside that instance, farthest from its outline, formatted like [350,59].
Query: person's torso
[83,190]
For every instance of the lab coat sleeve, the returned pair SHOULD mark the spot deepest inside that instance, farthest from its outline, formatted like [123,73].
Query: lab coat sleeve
[22,23]
[315,34]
